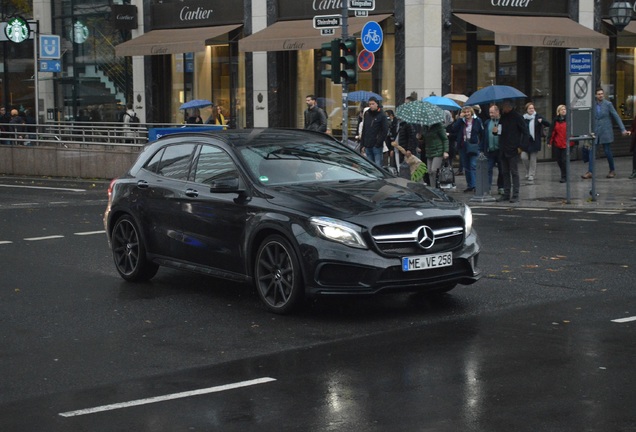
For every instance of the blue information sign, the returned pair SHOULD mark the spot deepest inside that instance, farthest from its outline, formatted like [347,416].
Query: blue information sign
[49,46]
[50,66]
[371,36]
[581,63]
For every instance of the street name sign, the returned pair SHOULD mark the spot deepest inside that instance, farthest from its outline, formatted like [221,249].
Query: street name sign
[367,5]
[327,21]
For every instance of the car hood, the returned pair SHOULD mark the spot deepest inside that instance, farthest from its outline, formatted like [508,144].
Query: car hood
[352,199]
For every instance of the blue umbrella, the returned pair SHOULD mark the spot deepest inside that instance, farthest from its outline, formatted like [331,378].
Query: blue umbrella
[196,103]
[443,102]
[362,95]
[494,93]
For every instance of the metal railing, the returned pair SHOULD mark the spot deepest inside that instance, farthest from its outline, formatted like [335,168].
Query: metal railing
[80,134]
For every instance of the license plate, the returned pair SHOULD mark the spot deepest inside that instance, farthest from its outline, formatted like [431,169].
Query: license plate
[425,262]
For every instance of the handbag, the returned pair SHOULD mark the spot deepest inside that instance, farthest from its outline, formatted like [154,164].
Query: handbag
[445,176]
[472,148]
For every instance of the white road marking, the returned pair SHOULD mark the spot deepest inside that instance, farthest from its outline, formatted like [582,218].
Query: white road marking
[166,397]
[566,210]
[44,238]
[5,242]
[623,320]
[537,209]
[89,233]
[43,187]
[584,220]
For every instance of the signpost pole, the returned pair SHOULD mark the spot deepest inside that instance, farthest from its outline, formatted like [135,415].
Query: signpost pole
[345,81]
[36,78]
[579,99]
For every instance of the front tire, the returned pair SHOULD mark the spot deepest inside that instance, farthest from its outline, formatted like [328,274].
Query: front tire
[129,252]
[277,275]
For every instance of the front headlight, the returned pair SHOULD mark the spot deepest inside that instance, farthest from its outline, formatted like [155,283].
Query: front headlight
[468,220]
[339,231]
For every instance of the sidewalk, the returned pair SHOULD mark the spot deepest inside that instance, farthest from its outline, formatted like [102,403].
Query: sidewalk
[546,191]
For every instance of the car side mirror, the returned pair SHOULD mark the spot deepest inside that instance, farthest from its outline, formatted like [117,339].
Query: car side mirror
[226,185]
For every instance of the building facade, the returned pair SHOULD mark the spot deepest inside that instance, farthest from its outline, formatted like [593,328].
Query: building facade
[259,59]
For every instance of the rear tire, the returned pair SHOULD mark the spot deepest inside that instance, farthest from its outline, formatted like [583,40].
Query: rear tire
[277,275]
[129,251]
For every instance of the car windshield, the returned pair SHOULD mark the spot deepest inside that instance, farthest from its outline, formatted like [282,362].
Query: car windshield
[308,162]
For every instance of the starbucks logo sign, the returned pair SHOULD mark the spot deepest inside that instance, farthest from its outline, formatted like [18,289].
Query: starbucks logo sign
[79,33]
[17,30]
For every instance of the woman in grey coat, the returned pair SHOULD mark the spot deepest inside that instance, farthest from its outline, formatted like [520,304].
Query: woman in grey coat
[604,112]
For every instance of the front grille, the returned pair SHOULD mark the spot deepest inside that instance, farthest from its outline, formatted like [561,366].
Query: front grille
[402,239]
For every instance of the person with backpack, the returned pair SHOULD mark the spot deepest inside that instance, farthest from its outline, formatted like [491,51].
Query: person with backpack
[130,121]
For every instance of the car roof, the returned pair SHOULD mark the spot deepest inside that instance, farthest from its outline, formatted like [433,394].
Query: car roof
[246,137]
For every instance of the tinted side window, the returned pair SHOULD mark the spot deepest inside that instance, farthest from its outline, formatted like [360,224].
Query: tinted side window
[213,163]
[175,162]
[153,163]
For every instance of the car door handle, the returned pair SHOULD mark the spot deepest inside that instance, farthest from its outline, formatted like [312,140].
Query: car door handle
[192,193]
[142,184]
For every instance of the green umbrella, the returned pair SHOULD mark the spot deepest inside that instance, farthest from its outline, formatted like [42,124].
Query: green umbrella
[420,112]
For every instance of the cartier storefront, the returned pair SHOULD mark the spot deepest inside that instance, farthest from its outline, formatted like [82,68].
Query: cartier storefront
[190,52]
[516,43]
[293,60]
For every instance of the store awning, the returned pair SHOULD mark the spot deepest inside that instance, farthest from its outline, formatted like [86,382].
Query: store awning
[551,32]
[299,35]
[172,41]
[631,27]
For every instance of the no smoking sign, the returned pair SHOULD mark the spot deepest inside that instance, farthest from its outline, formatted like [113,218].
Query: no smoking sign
[366,59]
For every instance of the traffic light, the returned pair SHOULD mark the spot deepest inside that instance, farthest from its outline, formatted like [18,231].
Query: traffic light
[349,60]
[331,57]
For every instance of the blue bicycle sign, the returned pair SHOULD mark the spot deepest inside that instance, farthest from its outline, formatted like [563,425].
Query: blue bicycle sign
[371,36]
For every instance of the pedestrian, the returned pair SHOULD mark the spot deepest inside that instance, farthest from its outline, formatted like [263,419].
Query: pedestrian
[469,130]
[360,118]
[127,120]
[375,127]
[490,146]
[604,112]
[193,118]
[391,137]
[407,139]
[435,143]
[5,119]
[219,118]
[557,138]
[531,149]
[30,127]
[315,117]
[16,127]
[512,135]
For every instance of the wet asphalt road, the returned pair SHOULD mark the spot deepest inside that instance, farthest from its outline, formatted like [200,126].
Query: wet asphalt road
[530,347]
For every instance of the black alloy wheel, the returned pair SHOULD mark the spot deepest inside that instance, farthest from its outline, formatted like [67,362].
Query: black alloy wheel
[129,252]
[277,275]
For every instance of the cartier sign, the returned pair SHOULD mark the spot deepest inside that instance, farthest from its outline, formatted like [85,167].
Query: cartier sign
[196,13]
[512,7]
[123,17]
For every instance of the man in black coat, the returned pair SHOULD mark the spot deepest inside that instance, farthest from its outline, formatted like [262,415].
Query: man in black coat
[512,136]
[375,127]
[315,117]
